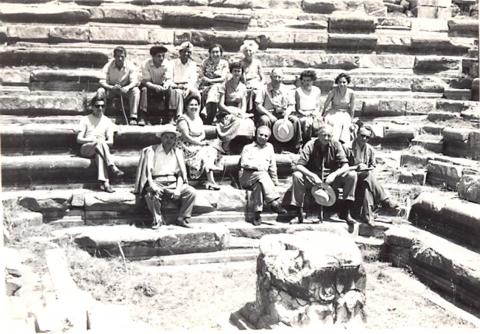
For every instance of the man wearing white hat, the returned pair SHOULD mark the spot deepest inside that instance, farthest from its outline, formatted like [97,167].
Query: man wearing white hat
[184,77]
[321,157]
[273,105]
[162,176]
[258,172]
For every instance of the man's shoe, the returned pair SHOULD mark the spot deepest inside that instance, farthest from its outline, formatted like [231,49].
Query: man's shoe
[141,122]
[350,222]
[107,188]
[257,219]
[156,225]
[388,204]
[133,121]
[277,208]
[116,171]
[299,218]
[183,223]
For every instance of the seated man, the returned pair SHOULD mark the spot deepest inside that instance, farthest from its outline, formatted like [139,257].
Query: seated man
[324,157]
[258,172]
[162,176]
[369,193]
[156,82]
[272,103]
[120,79]
[184,78]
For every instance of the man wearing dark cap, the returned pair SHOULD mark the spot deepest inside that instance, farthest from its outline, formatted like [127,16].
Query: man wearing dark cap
[120,79]
[156,82]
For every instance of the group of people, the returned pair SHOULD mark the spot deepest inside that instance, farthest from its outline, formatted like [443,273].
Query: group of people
[235,98]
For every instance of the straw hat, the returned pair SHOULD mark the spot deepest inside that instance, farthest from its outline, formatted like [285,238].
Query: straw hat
[168,128]
[283,130]
[324,194]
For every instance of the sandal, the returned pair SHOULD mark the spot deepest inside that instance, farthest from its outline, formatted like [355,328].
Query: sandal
[212,186]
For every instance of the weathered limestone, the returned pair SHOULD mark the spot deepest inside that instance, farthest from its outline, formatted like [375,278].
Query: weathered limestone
[44,14]
[351,24]
[457,94]
[34,104]
[429,142]
[463,27]
[371,7]
[450,217]
[308,279]
[437,262]
[469,188]
[352,41]
[439,44]
[443,174]
[412,176]
[142,243]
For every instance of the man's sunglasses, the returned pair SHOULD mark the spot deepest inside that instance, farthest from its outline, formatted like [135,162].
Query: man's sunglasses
[365,136]
[99,106]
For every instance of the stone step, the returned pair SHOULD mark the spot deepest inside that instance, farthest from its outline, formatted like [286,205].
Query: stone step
[62,168]
[439,263]
[219,240]
[449,217]
[368,103]
[43,79]
[40,138]
[433,143]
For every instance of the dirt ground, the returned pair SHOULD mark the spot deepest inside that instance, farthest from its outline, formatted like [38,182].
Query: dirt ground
[203,296]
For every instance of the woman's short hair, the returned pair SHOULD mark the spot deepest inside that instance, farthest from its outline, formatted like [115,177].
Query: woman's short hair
[235,64]
[190,98]
[308,74]
[213,46]
[119,49]
[343,75]
[249,44]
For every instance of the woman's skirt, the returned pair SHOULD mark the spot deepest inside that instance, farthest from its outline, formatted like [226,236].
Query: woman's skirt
[200,158]
[340,120]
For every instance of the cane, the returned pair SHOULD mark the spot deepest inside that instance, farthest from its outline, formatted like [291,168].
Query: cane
[123,109]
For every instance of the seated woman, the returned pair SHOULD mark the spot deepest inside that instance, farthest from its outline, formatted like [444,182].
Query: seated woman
[252,71]
[233,117]
[214,73]
[95,136]
[342,101]
[307,103]
[199,155]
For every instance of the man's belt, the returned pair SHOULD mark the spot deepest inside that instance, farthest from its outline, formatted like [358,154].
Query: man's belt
[165,178]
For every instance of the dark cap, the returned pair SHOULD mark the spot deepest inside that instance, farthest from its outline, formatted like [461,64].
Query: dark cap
[157,49]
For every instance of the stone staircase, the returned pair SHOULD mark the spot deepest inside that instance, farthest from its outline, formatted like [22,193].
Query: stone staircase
[416,83]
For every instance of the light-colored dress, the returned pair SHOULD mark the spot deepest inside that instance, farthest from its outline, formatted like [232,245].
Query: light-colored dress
[307,109]
[339,114]
[197,158]
[213,70]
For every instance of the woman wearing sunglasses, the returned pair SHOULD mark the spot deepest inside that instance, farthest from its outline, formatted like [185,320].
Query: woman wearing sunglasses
[96,137]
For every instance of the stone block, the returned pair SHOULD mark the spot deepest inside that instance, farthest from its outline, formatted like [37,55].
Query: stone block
[119,35]
[434,64]
[161,36]
[429,142]
[391,107]
[469,188]
[456,134]
[143,243]
[412,159]
[27,33]
[386,61]
[463,27]
[352,41]
[434,3]
[352,24]
[436,116]
[117,15]
[474,144]
[396,43]
[44,14]
[303,282]
[33,104]
[440,44]
[68,34]
[415,176]
[322,6]
[398,134]
[309,60]
[419,106]
[58,57]
[375,8]
[241,4]
[443,174]
[312,40]
[457,94]
[394,22]
[48,206]
[428,84]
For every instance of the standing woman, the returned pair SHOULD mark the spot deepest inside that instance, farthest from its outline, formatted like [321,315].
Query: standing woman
[307,103]
[214,73]
[252,71]
[233,117]
[340,115]
[199,155]
[96,137]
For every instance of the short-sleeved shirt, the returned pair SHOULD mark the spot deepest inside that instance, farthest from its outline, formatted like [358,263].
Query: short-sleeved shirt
[361,155]
[251,71]
[213,70]
[233,95]
[123,76]
[161,75]
[261,158]
[185,73]
[315,159]
[165,163]
[270,98]
[308,103]
[94,129]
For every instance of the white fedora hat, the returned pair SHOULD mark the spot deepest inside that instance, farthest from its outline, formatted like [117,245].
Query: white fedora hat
[324,194]
[168,128]
[283,130]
